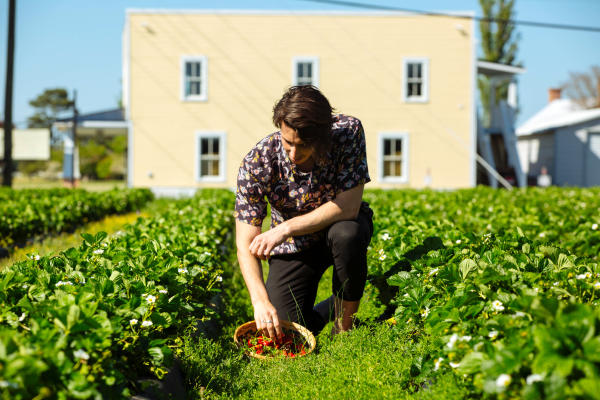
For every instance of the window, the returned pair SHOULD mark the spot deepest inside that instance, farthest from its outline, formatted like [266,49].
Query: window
[393,157]
[416,76]
[194,78]
[305,71]
[210,150]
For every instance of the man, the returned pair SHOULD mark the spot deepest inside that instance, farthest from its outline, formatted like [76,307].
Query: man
[312,172]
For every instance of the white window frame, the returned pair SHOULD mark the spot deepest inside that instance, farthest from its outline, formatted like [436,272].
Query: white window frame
[314,60]
[203,96]
[222,136]
[424,97]
[405,154]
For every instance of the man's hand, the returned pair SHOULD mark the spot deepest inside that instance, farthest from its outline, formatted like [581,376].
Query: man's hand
[263,244]
[266,319]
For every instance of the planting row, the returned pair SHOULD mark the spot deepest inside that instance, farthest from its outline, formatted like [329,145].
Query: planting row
[30,212]
[508,285]
[91,321]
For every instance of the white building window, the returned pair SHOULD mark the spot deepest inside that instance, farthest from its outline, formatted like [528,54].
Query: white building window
[415,80]
[393,157]
[305,71]
[210,156]
[194,78]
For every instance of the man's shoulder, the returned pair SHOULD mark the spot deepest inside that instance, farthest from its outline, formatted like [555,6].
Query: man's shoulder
[346,128]
[264,148]
[345,121]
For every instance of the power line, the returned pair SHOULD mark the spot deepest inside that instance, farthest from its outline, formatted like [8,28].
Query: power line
[441,14]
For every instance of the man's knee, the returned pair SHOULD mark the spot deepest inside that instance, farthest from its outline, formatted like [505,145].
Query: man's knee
[348,234]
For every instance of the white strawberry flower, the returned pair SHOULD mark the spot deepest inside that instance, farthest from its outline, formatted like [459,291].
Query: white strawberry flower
[597,285]
[81,355]
[382,255]
[585,275]
[425,312]
[151,299]
[163,291]
[503,381]
[594,227]
[458,241]
[182,270]
[63,283]
[437,363]
[22,317]
[452,341]
[497,305]
[98,251]
[133,321]
[146,324]
[493,334]
[219,278]
[386,236]
[454,365]
[534,378]
[433,271]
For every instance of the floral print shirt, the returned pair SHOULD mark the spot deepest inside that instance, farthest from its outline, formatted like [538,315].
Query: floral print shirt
[267,174]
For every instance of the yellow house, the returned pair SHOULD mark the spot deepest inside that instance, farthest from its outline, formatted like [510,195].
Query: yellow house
[199,88]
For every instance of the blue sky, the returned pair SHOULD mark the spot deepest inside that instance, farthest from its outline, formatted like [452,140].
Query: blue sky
[76,44]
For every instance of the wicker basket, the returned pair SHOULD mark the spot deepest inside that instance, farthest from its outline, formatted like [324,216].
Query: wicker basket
[251,327]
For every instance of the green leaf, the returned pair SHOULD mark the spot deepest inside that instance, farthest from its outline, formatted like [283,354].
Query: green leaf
[156,355]
[88,238]
[471,363]
[466,266]
[591,349]
[73,315]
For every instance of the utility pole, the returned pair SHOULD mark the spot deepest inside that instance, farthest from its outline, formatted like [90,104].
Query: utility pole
[8,123]
[74,137]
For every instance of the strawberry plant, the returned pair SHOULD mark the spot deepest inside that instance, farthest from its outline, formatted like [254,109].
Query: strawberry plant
[30,212]
[92,320]
[508,283]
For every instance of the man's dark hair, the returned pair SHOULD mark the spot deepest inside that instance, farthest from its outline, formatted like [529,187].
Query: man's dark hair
[308,112]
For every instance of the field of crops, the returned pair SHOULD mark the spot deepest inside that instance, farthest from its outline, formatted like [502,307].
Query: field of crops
[472,293]
[507,281]
[27,213]
[91,321]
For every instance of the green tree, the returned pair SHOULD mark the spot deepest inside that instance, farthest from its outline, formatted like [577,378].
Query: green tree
[90,154]
[48,106]
[498,44]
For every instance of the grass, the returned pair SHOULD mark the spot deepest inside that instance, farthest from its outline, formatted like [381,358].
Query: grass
[374,360]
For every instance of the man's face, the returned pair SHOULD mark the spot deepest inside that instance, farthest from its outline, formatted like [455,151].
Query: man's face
[298,152]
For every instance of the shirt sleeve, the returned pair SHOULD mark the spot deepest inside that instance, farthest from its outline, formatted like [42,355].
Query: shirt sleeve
[250,201]
[353,169]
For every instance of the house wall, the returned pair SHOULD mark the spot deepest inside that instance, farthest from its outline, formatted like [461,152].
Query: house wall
[575,154]
[535,152]
[249,67]
[592,158]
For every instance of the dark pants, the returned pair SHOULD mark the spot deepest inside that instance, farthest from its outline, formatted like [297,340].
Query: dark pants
[294,278]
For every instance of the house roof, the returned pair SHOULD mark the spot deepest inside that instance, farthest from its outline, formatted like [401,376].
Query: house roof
[493,69]
[110,122]
[558,113]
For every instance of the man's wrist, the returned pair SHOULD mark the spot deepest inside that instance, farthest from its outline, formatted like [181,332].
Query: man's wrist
[286,228]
